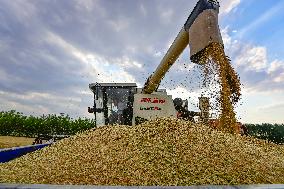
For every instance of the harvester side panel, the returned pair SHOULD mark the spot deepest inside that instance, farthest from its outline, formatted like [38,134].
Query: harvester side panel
[152,106]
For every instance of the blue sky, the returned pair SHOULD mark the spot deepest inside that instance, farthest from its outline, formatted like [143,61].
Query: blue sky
[259,22]
[257,27]
[51,50]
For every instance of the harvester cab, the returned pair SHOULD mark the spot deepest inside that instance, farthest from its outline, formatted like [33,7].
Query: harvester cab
[126,104]
[113,102]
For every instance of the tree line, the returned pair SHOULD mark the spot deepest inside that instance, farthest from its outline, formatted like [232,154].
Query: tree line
[13,123]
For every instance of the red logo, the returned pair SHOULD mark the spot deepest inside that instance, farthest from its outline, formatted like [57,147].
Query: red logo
[153,101]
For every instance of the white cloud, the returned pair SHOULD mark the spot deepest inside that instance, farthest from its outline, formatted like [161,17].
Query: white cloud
[109,72]
[227,6]
[24,10]
[126,62]
[227,40]
[158,54]
[87,5]
[275,66]
[166,14]
[276,71]
[274,106]
[97,67]
[259,73]
[35,103]
[262,107]
[279,78]
[230,44]
[3,46]
[119,25]
[253,59]
[143,10]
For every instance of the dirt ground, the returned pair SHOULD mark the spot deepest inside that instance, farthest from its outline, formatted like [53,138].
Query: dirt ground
[9,141]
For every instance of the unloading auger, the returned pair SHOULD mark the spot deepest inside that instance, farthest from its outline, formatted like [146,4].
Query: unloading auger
[199,31]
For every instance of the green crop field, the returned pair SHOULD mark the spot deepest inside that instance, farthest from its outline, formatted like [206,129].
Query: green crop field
[10,141]
[13,123]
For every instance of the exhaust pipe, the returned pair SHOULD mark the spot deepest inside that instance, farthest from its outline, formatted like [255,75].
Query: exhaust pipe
[199,31]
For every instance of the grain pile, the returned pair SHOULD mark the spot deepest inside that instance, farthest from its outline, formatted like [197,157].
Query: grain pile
[161,152]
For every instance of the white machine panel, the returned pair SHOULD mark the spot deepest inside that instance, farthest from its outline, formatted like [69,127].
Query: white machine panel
[152,106]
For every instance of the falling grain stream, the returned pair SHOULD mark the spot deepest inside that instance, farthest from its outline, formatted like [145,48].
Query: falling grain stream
[230,86]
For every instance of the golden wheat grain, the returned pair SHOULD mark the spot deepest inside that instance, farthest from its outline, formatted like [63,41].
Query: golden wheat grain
[160,152]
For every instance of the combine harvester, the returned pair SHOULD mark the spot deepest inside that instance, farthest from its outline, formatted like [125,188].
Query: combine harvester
[124,103]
